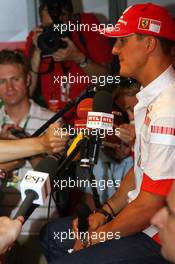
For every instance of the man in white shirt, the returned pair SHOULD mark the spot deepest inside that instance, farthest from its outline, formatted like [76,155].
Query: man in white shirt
[18,111]
[145,34]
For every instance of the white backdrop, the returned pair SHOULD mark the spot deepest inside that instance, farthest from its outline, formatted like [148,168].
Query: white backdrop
[17,17]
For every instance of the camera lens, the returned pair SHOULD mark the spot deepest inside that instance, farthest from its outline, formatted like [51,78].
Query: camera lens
[50,41]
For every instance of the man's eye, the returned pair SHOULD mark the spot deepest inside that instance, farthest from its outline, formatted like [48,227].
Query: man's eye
[16,79]
[122,40]
[2,81]
[168,210]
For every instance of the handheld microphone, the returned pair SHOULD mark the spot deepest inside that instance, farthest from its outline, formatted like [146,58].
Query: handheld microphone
[80,127]
[90,122]
[101,117]
[82,111]
[82,214]
[35,185]
[100,120]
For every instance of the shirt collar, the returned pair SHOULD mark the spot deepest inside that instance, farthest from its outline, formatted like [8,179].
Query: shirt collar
[32,109]
[153,89]
[7,119]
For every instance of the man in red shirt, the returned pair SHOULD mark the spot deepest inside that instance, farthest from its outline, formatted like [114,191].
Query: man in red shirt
[87,54]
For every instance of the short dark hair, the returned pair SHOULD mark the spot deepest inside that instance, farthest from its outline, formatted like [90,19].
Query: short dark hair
[130,89]
[14,57]
[60,5]
[166,44]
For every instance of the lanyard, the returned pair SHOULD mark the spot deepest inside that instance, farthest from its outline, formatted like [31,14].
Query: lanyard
[25,124]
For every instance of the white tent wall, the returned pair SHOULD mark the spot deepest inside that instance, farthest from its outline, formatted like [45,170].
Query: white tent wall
[17,17]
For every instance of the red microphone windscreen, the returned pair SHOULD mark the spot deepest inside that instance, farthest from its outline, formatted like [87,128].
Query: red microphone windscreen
[80,123]
[84,107]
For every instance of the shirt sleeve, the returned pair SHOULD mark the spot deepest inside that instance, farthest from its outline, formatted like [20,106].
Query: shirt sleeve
[159,187]
[161,151]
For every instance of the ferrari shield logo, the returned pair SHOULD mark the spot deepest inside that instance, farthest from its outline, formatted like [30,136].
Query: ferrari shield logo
[144,23]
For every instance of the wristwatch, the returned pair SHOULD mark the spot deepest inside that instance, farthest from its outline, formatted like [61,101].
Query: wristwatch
[84,238]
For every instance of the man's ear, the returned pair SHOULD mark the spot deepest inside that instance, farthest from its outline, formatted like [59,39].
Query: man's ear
[28,79]
[150,43]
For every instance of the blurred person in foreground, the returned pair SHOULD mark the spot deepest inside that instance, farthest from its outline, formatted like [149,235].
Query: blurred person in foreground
[164,219]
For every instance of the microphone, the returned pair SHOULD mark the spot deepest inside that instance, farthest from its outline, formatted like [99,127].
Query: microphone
[88,125]
[83,211]
[80,125]
[100,121]
[82,110]
[101,117]
[35,185]
[84,107]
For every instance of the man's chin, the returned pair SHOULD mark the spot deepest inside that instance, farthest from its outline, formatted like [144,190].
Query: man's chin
[164,254]
[123,73]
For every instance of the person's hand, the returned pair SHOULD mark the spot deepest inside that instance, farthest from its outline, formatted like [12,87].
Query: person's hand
[127,133]
[9,232]
[54,141]
[96,220]
[12,165]
[75,227]
[78,245]
[6,132]
[36,33]
[122,151]
[71,52]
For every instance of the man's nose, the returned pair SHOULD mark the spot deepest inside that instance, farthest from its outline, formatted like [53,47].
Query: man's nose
[159,218]
[10,85]
[116,48]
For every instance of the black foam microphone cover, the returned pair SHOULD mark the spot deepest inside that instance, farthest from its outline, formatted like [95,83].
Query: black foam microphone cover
[102,102]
